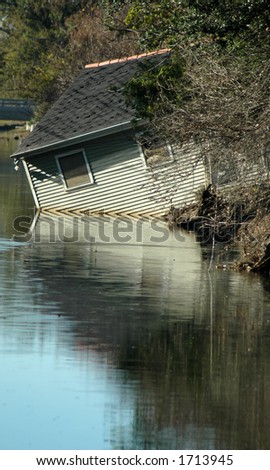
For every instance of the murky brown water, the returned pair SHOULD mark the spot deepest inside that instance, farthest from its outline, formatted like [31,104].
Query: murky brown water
[125,346]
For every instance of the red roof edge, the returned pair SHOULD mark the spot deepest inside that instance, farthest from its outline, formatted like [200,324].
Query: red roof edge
[125,59]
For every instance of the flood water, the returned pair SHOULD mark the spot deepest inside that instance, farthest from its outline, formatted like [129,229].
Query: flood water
[109,342]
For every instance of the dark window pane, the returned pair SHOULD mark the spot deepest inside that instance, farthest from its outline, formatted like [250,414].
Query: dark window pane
[74,170]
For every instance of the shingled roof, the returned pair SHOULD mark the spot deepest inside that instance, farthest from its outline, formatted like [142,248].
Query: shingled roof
[92,105]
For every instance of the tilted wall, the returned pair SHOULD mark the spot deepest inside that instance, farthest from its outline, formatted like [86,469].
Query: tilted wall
[122,181]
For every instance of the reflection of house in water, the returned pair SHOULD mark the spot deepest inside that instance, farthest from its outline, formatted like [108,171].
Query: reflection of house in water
[150,257]
[187,342]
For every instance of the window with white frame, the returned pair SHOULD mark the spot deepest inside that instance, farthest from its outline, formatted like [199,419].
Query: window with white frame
[155,150]
[75,169]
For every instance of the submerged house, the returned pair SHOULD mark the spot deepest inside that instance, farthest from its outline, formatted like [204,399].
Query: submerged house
[88,153]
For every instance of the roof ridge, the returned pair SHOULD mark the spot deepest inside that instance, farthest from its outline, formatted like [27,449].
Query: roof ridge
[125,59]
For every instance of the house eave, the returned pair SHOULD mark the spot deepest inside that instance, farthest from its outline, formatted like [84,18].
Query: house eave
[78,139]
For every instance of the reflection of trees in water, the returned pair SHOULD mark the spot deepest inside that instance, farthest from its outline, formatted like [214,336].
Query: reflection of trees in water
[15,195]
[200,388]
[180,392]
[201,382]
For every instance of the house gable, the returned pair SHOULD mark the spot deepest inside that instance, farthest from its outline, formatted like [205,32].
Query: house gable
[92,106]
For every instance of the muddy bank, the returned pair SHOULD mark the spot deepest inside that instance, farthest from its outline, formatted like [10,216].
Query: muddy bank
[240,218]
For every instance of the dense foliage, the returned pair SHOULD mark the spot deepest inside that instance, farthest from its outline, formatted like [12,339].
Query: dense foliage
[45,43]
[222,94]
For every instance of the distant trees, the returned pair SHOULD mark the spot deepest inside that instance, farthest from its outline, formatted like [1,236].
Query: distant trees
[47,42]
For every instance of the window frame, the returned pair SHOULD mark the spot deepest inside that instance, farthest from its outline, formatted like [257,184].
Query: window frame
[87,166]
[157,164]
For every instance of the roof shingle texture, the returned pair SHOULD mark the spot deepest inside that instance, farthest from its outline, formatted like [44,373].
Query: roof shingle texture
[93,102]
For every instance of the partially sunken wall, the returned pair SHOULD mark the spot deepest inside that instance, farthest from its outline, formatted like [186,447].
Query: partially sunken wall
[122,181]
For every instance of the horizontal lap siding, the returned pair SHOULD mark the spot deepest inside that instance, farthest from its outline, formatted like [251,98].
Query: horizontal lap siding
[122,183]
[181,180]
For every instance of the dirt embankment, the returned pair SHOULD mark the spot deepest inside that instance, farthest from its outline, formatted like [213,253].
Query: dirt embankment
[239,217]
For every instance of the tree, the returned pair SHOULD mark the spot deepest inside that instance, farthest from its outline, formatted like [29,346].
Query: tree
[188,20]
[48,42]
[221,97]
[33,49]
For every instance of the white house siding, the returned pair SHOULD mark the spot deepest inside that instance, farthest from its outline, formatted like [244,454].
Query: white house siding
[178,181]
[123,184]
